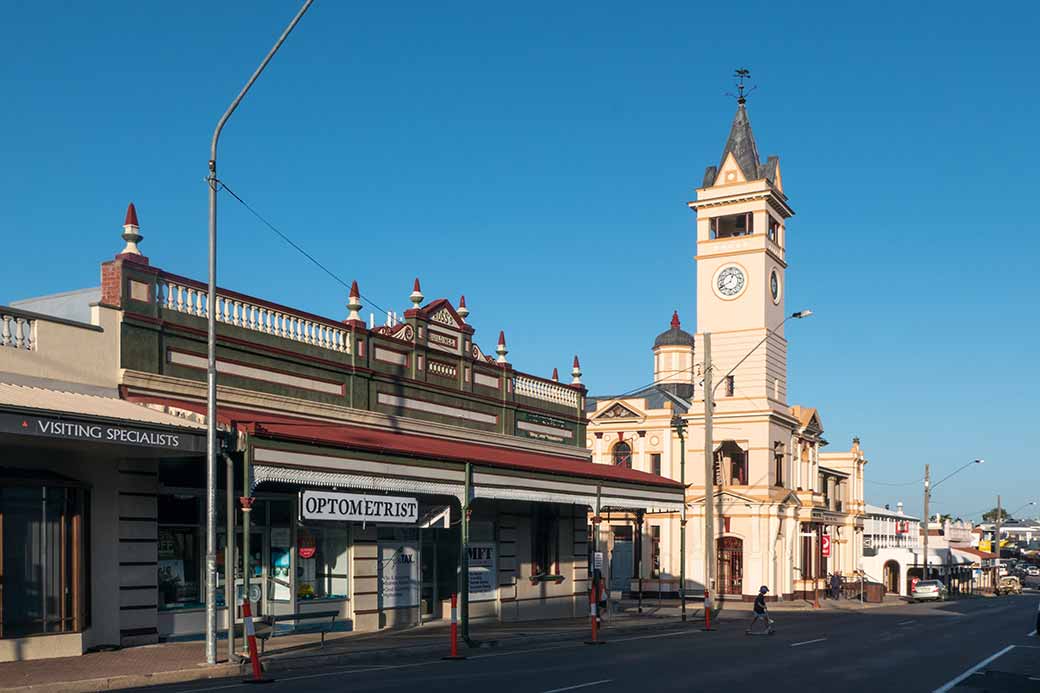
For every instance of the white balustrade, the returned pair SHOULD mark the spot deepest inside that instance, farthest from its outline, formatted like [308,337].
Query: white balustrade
[190,300]
[17,332]
[545,391]
[445,370]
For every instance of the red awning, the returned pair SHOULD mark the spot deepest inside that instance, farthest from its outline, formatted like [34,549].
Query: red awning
[352,437]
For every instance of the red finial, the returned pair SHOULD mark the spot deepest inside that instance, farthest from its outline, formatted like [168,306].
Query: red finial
[462,301]
[576,364]
[675,320]
[501,338]
[416,287]
[354,290]
[556,375]
[131,216]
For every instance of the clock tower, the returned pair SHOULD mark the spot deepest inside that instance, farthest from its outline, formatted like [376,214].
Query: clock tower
[741,242]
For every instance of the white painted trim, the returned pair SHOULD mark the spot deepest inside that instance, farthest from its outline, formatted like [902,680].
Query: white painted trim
[347,464]
[485,380]
[429,407]
[308,477]
[181,358]
[390,356]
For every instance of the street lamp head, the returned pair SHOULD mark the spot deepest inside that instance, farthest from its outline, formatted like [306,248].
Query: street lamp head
[801,314]
[678,424]
[979,461]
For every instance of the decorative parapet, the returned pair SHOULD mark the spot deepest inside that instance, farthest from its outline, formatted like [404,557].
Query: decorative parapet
[545,390]
[190,297]
[17,330]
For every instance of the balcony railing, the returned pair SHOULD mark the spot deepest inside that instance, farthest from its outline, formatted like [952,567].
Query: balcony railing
[190,297]
[545,390]
[17,331]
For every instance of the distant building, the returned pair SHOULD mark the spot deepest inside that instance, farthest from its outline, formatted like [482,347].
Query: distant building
[891,546]
[784,514]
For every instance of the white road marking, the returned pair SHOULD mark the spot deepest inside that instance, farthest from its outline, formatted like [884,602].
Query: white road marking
[905,623]
[975,668]
[1031,633]
[807,642]
[659,635]
[580,685]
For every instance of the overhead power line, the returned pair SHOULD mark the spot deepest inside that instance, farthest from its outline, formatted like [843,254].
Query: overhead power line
[295,246]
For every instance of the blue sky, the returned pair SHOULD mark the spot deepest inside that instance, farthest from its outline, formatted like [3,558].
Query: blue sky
[538,158]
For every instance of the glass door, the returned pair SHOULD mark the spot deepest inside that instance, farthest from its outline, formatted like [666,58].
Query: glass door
[256,576]
[280,569]
[429,600]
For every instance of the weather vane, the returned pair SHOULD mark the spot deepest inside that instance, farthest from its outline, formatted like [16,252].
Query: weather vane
[742,91]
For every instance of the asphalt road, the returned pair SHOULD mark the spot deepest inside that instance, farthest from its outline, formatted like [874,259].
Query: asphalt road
[916,647]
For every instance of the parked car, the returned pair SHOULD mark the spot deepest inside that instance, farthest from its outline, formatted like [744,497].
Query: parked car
[1033,571]
[1009,585]
[928,589]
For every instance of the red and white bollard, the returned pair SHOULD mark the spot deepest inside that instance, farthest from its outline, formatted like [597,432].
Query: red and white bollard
[250,632]
[454,629]
[707,610]
[594,615]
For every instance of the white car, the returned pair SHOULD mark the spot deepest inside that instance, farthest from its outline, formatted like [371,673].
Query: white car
[928,589]
[1033,571]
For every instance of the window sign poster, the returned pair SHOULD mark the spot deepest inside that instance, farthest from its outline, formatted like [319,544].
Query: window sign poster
[280,563]
[398,574]
[483,572]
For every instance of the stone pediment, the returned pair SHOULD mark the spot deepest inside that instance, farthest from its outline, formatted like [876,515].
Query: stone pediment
[618,411]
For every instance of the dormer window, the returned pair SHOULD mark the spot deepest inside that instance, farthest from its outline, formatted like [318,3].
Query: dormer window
[732,225]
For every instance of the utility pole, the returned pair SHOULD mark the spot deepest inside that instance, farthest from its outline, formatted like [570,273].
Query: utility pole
[709,479]
[996,536]
[211,358]
[927,522]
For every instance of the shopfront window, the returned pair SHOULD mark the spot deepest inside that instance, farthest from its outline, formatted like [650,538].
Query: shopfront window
[43,569]
[545,543]
[323,562]
[180,569]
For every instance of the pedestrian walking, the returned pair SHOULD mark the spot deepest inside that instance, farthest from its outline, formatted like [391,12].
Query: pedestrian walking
[835,586]
[761,611]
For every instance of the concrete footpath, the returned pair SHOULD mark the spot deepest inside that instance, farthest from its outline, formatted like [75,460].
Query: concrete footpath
[180,662]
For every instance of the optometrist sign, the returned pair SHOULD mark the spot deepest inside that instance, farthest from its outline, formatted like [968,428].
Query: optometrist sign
[356,507]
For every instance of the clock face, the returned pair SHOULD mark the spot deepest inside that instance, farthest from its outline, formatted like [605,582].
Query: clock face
[730,281]
[774,286]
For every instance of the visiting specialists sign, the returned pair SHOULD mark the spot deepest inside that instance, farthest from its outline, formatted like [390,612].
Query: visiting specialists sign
[356,507]
[88,430]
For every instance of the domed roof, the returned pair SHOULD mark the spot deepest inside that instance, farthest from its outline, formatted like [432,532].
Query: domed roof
[674,336]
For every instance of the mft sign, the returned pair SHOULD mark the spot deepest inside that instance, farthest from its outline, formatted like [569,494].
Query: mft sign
[356,507]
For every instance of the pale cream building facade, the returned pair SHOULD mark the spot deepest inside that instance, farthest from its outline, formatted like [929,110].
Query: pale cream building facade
[780,504]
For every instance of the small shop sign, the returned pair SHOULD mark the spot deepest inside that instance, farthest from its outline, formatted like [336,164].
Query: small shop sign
[483,571]
[356,507]
[89,430]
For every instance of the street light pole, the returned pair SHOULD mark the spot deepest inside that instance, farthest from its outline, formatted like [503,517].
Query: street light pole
[211,361]
[709,452]
[927,521]
[709,478]
[679,424]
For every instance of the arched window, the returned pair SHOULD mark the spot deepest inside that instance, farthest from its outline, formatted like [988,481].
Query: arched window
[623,455]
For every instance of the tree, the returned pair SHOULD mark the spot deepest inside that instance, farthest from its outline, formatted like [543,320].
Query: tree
[991,516]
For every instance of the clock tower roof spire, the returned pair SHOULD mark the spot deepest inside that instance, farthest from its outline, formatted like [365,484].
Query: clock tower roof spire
[740,145]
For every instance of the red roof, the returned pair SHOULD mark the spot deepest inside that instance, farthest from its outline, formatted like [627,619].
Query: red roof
[413,445]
